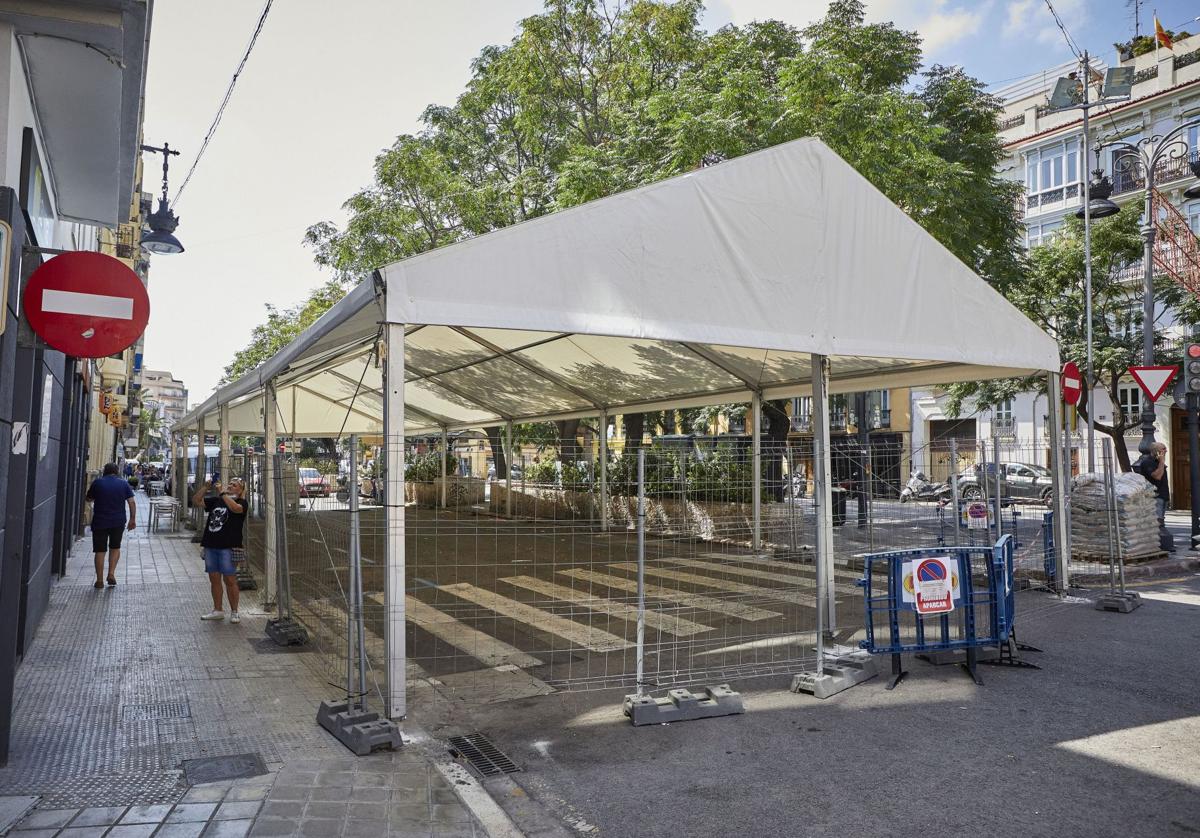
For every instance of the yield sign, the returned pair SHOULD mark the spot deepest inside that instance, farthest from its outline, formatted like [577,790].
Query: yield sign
[86,304]
[1153,380]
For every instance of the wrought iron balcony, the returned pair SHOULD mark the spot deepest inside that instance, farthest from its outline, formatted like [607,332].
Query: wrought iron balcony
[802,424]
[1004,427]
[1167,170]
[881,418]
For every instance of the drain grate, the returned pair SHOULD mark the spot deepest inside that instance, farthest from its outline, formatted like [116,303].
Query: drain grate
[484,757]
[213,769]
[151,712]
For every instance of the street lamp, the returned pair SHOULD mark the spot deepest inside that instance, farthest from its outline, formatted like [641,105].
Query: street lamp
[161,238]
[1145,155]
[1098,205]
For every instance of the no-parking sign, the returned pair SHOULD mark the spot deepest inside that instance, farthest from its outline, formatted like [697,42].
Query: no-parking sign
[924,590]
[976,515]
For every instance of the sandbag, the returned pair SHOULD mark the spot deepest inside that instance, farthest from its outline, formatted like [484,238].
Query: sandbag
[1137,520]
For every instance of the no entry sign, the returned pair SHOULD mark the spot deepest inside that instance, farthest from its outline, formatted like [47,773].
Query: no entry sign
[1072,383]
[87,304]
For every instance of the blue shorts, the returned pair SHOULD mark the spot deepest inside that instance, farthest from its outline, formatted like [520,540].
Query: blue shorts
[219,561]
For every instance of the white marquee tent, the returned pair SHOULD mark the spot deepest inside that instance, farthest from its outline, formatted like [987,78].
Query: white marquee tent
[733,283]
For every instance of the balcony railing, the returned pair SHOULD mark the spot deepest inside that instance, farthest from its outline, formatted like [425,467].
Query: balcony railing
[881,418]
[802,424]
[1165,172]
[1004,427]
[837,421]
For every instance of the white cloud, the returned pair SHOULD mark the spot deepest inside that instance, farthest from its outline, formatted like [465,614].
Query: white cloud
[941,23]
[1017,19]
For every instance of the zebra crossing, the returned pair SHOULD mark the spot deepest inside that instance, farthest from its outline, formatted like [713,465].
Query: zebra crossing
[675,580]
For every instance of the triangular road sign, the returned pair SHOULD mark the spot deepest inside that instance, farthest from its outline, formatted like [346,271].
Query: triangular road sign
[1153,380]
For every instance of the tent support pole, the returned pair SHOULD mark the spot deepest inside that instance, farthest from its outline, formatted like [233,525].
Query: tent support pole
[201,475]
[1062,545]
[756,489]
[444,454]
[508,456]
[823,498]
[393,430]
[225,439]
[604,471]
[271,446]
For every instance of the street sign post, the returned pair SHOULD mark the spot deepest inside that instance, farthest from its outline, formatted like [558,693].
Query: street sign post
[1072,383]
[1153,380]
[87,305]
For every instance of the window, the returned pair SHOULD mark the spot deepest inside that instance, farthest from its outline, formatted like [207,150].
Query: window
[1130,397]
[1052,174]
[1193,216]
[1039,234]
[802,413]
[1002,419]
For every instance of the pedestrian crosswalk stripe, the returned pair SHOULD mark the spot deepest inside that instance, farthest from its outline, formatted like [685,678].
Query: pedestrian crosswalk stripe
[458,634]
[739,610]
[663,622]
[767,561]
[589,638]
[807,598]
[808,580]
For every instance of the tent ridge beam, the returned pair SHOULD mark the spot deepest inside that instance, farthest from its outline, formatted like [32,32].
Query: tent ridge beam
[529,366]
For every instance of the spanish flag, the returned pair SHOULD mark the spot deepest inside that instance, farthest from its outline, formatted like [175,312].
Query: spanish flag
[1160,34]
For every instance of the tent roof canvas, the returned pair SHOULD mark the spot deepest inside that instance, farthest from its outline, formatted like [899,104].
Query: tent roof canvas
[699,289]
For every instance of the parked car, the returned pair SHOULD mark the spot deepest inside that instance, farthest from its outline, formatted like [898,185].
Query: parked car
[312,484]
[1018,481]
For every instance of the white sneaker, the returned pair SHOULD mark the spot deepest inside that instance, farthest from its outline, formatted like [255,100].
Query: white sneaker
[214,615]
[235,617]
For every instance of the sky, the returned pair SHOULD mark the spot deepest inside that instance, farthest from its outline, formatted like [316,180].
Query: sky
[330,86]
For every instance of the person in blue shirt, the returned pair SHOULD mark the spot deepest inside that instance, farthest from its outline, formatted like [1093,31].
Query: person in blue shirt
[110,495]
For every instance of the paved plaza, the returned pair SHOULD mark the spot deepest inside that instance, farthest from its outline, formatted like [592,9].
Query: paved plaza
[123,687]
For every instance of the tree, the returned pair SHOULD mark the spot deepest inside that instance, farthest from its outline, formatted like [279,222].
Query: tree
[593,97]
[1052,296]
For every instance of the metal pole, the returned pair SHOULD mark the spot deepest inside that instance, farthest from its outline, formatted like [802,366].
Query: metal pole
[1193,416]
[868,498]
[273,498]
[756,471]
[225,439]
[283,607]
[1114,538]
[864,436]
[356,574]
[394,591]
[604,471]
[641,569]
[508,457]
[1060,467]
[1087,266]
[998,502]
[1148,306]
[822,503]
[445,453]
[351,603]
[954,489]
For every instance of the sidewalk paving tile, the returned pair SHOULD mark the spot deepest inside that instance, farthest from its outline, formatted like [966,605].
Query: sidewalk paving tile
[127,716]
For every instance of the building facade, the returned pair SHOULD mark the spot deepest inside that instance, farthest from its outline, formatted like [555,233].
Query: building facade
[69,173]
[1045,154]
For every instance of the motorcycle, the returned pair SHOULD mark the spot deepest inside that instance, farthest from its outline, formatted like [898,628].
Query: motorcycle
[919,487]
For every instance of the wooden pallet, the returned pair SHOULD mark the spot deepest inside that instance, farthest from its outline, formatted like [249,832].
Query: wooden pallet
[1103,558]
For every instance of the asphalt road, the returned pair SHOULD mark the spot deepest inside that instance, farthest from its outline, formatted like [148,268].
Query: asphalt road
[1103,740]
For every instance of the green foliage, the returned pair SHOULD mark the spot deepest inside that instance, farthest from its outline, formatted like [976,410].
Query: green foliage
[1052,296]
[427,467]
[721,477]
[543,471]
[282,327]
[592,98]
[324,465]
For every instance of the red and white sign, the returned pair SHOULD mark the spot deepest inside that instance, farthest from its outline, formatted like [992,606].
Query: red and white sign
[87,305]
[1072,383]
[932,583]
[1153,380]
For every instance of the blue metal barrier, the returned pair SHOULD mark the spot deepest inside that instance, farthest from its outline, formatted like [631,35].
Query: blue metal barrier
[982,603]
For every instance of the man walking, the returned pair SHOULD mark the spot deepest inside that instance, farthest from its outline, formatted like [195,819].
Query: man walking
[222,534]
[110,494]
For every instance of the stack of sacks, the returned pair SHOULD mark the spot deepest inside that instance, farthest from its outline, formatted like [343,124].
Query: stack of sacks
[1090,522]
